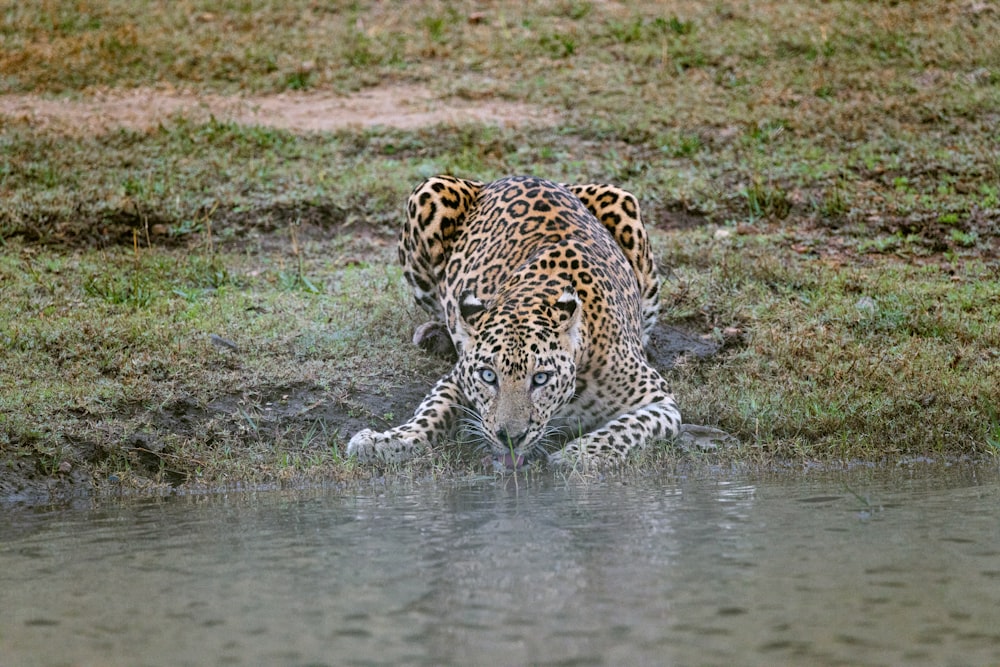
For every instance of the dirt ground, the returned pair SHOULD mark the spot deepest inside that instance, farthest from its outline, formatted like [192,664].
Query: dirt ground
[399,106]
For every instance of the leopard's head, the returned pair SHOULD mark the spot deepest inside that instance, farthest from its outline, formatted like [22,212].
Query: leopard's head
[517,364]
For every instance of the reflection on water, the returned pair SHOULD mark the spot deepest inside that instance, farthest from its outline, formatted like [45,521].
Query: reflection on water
[858,568]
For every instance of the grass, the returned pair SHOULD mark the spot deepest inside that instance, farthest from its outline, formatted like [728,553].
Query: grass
[860,362]
[820,177]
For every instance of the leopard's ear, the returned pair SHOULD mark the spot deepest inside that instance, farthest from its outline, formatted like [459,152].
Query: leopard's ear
[470,306]
[568,313]
[470,309]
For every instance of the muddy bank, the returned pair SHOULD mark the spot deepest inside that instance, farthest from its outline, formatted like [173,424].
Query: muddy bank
[255,416]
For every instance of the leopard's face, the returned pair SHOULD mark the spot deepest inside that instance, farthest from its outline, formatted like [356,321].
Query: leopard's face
[515,388]
[518,373]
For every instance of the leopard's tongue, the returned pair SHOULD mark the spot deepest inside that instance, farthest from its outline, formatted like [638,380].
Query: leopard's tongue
[512,463]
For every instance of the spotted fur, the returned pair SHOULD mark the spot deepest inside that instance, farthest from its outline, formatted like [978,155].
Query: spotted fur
[548,294]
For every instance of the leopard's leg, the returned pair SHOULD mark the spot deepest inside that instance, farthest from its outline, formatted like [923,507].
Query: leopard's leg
[618,210]
[435,215]
[433,420]
[655,416]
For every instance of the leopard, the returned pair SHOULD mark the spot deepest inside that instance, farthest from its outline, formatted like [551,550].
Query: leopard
[548,294]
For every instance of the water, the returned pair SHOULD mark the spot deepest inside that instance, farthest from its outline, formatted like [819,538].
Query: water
[861,568]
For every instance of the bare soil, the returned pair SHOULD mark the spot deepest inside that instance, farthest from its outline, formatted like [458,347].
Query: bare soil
[399,106]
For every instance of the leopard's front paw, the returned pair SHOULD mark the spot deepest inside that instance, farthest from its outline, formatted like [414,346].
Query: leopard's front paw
[571,457]
[369,446]
[364,444]
[587,453]
[558,459]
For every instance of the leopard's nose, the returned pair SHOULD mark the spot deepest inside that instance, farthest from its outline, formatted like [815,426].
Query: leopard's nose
[508,439]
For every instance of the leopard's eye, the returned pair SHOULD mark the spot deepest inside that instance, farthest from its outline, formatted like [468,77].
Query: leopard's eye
[540,378]
[487,376]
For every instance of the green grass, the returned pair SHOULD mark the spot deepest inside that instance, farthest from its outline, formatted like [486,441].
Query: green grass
[858,363]
[820,177]
[112,340]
